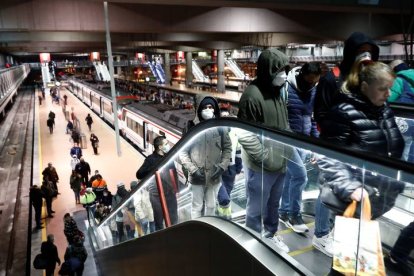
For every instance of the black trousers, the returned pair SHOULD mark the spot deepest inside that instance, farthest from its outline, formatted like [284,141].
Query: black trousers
[48,200]
[404,244]
[38,214]
[157,208]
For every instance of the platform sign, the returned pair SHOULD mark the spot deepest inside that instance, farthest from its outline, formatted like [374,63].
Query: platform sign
[95,56]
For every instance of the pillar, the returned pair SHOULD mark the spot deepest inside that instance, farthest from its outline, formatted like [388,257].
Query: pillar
[167,68]
[188,68]
[221,87]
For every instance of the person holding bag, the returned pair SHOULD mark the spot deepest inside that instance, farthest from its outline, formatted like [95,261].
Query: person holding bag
[50,254]
[75,258]
[360,236]
[361,121]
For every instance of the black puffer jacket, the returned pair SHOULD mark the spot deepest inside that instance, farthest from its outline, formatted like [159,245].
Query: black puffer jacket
[358,124]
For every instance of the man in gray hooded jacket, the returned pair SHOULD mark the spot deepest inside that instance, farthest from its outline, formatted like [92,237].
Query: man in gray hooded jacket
[206,158]
[265,160]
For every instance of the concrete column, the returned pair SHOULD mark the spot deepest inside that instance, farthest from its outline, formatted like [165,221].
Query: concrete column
[221,87]
[167,68]
[118,68]
[188,68]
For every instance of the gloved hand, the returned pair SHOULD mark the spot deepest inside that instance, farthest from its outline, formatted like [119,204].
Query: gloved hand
[198,175]
[218,171]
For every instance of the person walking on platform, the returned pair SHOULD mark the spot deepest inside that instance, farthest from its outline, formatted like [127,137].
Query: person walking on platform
[88,199]
[50,174]
[121,193]
[76,150]
[69,127]
[74,161]
[50,124]
[40,99]
[70,228]
[98,186]
[65,99]
[75,136]
[93,178]
[75,185]
[89,121]
[50,253]
[83,169]
[52,115]
[76,255]
[95,143]
[36,198]
[49,193]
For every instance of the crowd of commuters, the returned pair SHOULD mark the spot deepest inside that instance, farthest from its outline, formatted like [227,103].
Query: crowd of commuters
[349,110]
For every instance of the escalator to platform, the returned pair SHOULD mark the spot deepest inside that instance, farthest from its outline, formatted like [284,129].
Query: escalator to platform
[211,245]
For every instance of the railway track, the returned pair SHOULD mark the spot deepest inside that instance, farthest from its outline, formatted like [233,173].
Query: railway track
[16,142]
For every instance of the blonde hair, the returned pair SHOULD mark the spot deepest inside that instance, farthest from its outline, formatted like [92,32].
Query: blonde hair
[363,71]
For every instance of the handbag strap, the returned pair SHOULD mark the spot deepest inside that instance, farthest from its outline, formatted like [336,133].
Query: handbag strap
[366,209]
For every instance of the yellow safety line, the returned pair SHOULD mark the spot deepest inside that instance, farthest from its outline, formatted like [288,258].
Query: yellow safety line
[40,163]
[290,230]
[300,251]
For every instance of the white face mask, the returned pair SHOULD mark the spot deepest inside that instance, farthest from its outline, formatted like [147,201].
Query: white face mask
[165,148]
[280,79]
[207,113]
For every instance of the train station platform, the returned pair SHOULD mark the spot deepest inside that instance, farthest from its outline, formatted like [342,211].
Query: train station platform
[55,148]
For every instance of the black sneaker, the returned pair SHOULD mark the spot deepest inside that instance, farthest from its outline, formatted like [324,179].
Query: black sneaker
[402,268]
[297,224]
[284,218]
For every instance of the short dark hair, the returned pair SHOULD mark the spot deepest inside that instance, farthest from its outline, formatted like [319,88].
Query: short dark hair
[158,141]
[311,68]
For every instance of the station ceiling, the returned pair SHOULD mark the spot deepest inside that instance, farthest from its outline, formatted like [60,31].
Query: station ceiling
[77,26]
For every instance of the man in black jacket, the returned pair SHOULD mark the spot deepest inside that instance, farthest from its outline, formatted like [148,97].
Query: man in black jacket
[83,169]
[50,253]
[161,148]
[36,198]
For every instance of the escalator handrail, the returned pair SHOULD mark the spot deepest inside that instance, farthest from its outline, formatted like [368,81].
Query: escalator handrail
[386,166]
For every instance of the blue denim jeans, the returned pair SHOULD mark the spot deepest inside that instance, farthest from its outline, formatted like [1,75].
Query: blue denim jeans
[225,191]
[263,192]
[322,215]
[295,181]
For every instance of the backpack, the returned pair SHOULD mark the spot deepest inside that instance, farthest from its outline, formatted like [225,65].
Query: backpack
[407,95]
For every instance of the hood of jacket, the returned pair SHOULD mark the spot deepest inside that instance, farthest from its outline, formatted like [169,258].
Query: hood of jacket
[291,77]
[270,62]
[199,99]
[351,46]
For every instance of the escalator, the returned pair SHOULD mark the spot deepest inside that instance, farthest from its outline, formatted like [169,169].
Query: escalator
[211,245]
[154,71]
[235,68]
[160,72]
[198,73]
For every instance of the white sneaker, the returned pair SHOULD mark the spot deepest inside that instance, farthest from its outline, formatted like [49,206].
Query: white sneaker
[278,241]
[324,244]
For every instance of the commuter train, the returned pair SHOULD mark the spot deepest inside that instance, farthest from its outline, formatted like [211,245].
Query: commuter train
[139,122]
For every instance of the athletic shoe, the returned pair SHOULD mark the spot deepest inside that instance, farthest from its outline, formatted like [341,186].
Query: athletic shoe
[297,224]
[396,266]
[324,244]
[278,241]
[284,218]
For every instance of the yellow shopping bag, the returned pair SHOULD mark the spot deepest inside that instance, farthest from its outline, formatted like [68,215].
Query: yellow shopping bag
[357,243]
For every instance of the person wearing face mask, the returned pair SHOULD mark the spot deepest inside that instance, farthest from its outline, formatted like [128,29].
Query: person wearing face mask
[301,91]
[206,158]
[362,122]
[161,147]
[358,46]
[263,102]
